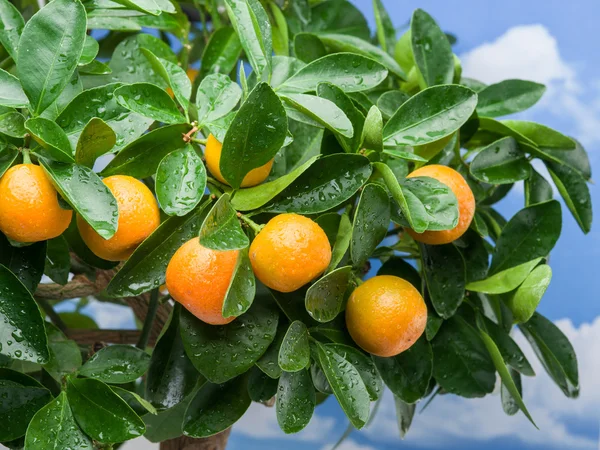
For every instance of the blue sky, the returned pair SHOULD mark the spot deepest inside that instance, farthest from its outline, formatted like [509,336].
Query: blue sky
[553,42]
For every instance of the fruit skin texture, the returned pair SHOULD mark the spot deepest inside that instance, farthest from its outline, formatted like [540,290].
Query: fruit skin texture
[466,204]
[386,315]
[289,251]
[138,218]
[29,209]
[198,278]
[212,153]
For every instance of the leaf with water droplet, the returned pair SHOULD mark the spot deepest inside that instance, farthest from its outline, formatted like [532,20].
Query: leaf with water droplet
[52,138]
[501,162]
[365,367]
[26,262]
[19,404]
[216,96]
[294,353]
[96,139]
[117,364]
[221,230]
[296,400]
[150,101]
[241,291]
[12,93]
[371,221]
[324,299]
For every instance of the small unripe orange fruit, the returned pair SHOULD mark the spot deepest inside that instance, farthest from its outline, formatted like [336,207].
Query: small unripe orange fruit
[212,153]
[289,251]
[198,278]
[29,208]
[466,204]
[138,218]
[386,315]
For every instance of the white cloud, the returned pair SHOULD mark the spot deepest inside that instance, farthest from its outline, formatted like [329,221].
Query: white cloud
[530,52]
[349,444]
[140,443]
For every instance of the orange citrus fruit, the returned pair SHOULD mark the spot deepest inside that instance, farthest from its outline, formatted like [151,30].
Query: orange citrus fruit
[198,278]
[138,218]
[212,153]
[289,252]
[29,208]
[386,315]
[466,204]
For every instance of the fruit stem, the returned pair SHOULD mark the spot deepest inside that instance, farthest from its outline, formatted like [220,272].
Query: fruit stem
[26,157]
[187,137]
[200,141]
[149,320]
[252,224]
[357,280]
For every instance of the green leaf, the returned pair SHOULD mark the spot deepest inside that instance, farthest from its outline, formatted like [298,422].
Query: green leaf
[145,6]
[219,127]
[65,355]
[171,376]
[49,49]
[537,189]
[145,268]
[281,45]
[308,47]
[530,234]
[575,192]
[408,374]
[12,94]
[372,133]
[58,260]
[404,415]
[294,353]
[335,95]
[501,162]
[221,230]
[22,336]
[506,280]
[509,405]
[167,424]
[51,137]
[386,33]
[242,289]
[341,69]
[85,193]
[342,242]
[96,139]
[19,404]
[116,364]
[254,30]
[8,156]
[364,365]
[112,23]
[576,159]
[296,400]
[26,262]
[432,202]
[327,183]
[175,77]
[135,402]
[554,351]
[390,101]
[53,426]
[322,111]
[150,101]
[347,385]
[82,251]
[100,102]
[215,408]
[430,115]
[261,387]
[324,299]
[339,16]
[222,52]
[509,97]
[371,221]
[180,181]
[90,50]
[216,96]
[408,156]
[431,50]
[13,124]
[461,362]
[269,361]
[527,297]
[11,26]
[101,413]
[542,135]
[248,337]
[246,145]
[141,157]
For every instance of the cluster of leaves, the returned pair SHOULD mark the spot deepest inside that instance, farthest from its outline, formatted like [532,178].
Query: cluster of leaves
[346,117]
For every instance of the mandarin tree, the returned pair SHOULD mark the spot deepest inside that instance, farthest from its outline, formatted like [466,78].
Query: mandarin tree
[238,207]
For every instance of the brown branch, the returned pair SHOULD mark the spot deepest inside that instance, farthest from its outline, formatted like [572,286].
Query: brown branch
[91,337]
[79,286]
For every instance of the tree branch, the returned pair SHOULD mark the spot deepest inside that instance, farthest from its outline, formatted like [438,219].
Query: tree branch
[90,337]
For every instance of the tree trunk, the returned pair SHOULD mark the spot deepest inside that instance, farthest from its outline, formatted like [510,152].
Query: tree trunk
[216,442]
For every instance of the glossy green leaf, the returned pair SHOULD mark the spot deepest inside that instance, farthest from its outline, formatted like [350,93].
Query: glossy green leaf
[145,6]
[176,78]
[22,336]
[269,361]
[13,124]
[341,16]
[150,101]
[219,127]
[322,111]
[577,159]
[222,52]
[141,157]
[215,408]
[501,162]
[246,145]
[65,355]
[372,133]
[221,230]
[357,119]
[431,50]
[461,362]
[25,262]
[506,280]
[223,352]
[19,404]
[101,413]
[294,353]
[11,94]
[430,115]
[216,96]
[283,68]
[347,385]
[537,189]
[508,97]
[54,427]
[529,294]
[8,156]
[386,33]
[261,387]
[508,348]
[308,47]
[96,139]
[139,405]
[58,260]
[117,364]
[408,374]
[364,365]
[371,221]
[509,405]
[341,69]
[324,299]
[180,181]
[242,289]
[327,183]
[87,194]
[254,30]
[575,193]
[554,351]
[404,415]
[296,400]
[530,234]
[49,49]
[12,24]
[51,137]
[112,23]
[390,101]
[145,268]
[542,135]
[408,156]
[89,52]
[342,242]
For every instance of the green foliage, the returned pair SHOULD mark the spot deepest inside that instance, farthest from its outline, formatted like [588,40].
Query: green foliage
[345,114]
